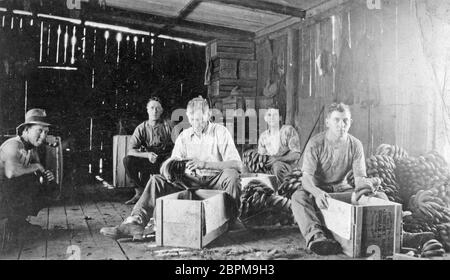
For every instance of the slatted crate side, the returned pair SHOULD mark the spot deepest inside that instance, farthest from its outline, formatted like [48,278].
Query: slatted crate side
[120,150]
[358,227]
[224,68]
[248,69]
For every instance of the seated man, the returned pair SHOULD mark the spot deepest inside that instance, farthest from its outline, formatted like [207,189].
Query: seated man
[150,145]
[22,194]
[213,158]
[329,157]
[282,145]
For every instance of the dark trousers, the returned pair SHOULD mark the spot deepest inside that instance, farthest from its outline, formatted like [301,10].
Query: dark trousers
[280,169]
[228,180]
[135,165]
[24,196]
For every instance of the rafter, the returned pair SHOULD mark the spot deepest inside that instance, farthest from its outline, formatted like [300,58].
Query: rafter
[264,6]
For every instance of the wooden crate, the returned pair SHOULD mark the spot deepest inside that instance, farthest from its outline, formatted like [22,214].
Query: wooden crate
[54,158]
[356,227]
[248,69]
[191,218]
[223,87]
[120,150]
[224,68]
[232,49]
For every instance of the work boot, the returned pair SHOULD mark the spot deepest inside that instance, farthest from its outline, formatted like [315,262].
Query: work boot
[135,198]
[416,240]
[324,246]
[128,230]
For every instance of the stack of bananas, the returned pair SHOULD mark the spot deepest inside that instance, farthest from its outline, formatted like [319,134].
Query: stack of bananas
[422,173]
[291,183]
[430,206]
[432,248]
[416,223]
[255,162]
[383,167]
[257,196]
[444,234]
[392,151]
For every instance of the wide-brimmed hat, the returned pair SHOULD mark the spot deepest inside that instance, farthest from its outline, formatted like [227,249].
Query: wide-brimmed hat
[35,116]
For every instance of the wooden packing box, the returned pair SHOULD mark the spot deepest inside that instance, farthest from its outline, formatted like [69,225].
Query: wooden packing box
[223,87]
[248,69]
[231,49]
[356,227]
[191,218]
[224,68]
[120,150]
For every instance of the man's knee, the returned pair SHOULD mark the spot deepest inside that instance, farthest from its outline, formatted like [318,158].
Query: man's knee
[301,198]
[127,160]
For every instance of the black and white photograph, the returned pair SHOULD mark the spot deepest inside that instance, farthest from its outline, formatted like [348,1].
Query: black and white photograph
[249,132]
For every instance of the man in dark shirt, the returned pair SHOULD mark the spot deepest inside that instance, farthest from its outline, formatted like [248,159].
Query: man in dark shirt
[149,146]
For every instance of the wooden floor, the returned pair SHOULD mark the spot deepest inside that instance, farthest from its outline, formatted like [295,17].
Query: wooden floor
[73,230]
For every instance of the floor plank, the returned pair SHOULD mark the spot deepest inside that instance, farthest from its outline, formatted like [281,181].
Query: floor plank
[59,234]
[35,247]
[106,248]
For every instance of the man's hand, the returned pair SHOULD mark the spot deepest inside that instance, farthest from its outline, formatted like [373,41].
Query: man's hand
[49,175]
[322,199]
[152,157]
[272,160]
[195,164]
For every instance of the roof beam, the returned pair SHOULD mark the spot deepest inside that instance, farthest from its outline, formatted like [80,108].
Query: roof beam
[182,14]
[264,6]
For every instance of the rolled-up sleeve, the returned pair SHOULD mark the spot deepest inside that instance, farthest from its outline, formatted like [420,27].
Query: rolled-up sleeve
[293,140]
[136,140]
[310,160]
[179,151]
[226,147]
[359,161]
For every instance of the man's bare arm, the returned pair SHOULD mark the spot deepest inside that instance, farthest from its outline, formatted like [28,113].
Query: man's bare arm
[13,167]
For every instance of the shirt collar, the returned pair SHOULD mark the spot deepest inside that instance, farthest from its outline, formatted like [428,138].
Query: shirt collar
[158,122]
[204,131]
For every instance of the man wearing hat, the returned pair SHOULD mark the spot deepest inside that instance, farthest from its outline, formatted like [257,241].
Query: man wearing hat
[24,187]
[149,146]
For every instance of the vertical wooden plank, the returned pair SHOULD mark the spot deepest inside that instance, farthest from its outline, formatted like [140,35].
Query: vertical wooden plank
[291,75]
[357,230]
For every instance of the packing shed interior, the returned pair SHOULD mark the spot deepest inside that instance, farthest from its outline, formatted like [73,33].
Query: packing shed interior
[93,64]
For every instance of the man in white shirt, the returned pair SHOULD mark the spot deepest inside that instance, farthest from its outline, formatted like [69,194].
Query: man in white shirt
[212,158]
[282,145]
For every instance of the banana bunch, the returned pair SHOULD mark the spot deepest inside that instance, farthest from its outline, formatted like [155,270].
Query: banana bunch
[255,162]
[254,196]
[432,248]
[291,183]
[422,173]
[383,167]
[393,151]
[417,223]
[174,168]
[257,196]
[430,206]
[444,235]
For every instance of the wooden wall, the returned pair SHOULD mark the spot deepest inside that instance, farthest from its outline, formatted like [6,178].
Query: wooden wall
[378,62]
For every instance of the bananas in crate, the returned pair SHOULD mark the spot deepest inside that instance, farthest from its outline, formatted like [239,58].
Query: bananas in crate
[393,151]
[432,248]
[257,196]
[291,183]
[383,167]
[255,162]
[426,172]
